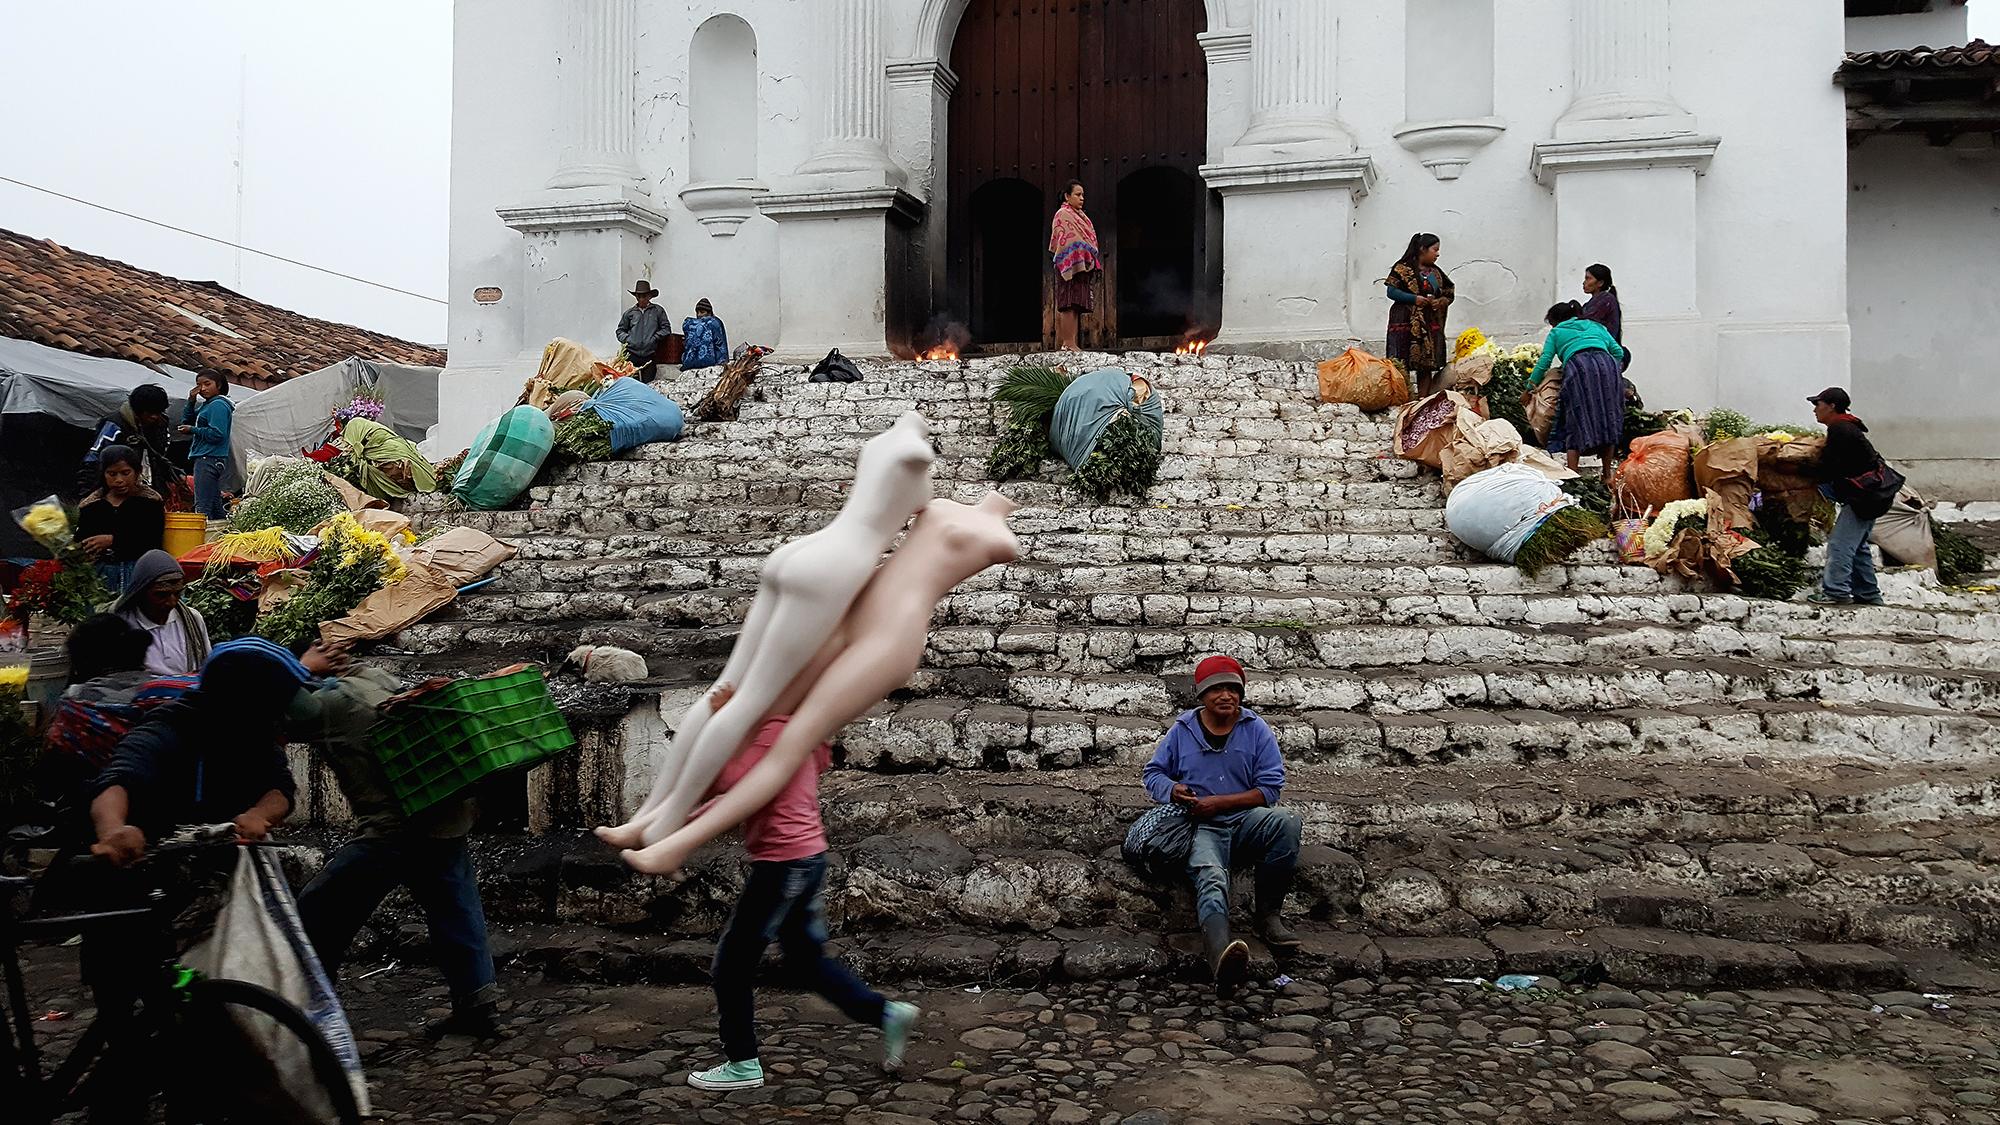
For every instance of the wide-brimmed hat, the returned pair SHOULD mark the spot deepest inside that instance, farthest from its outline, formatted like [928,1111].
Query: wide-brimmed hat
[644,288]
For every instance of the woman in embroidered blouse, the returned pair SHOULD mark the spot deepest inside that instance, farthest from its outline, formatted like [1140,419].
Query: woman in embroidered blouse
[1073,244]
[1420,296]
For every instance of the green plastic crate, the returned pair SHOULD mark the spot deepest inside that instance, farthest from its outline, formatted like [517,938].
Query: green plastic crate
[442,742]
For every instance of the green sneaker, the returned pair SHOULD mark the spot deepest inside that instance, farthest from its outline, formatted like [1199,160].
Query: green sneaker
[897,1020]
[745,1075]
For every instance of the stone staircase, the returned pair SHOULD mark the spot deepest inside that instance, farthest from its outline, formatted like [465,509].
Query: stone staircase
[1478,755]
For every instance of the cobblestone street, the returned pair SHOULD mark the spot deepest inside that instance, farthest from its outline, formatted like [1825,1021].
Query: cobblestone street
[1153,1052]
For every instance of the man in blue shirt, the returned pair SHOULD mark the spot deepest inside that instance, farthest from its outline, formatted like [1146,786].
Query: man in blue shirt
[1220,764]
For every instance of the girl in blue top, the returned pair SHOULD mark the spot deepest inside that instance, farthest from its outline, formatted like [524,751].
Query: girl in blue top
[207,418]
[1590,416]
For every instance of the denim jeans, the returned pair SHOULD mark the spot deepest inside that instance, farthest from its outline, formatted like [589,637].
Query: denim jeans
[209,473]
[781,902]
[1265,837]
[1850,568]
[438,873]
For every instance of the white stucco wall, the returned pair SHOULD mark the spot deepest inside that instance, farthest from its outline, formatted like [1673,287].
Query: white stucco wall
[1924,231]
[1944,25]
[1764,254]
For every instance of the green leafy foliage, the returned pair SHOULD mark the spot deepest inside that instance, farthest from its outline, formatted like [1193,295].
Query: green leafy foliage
[1958,559]
[1770,572]
[226,615]
[1127,459]
[1504,391]
[1566,531]
[298,503]
[1031,393]
[1022,448]
[1591,494]
[583,436]
[1723,423]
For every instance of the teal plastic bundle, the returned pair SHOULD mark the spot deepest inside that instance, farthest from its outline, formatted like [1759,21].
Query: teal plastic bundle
[503,460]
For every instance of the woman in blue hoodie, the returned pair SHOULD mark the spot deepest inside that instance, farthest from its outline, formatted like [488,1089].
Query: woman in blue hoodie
[207,418]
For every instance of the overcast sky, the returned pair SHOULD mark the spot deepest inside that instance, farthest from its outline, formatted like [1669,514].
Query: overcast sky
[345,114]
[346,120]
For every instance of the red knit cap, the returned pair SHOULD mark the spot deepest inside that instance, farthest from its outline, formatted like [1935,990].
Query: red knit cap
[1217,671]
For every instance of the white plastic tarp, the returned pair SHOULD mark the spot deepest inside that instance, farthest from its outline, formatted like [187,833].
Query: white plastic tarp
[79,390]
[295,414]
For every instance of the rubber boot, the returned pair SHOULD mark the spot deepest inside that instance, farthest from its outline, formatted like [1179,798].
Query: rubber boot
[1228,959]
[1272,886]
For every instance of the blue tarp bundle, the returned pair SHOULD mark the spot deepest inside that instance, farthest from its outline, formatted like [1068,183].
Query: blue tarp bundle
[1091,404]
[639,415]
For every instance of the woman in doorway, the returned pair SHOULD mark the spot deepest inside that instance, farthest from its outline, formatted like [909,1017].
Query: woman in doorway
[122,519]
[206,420]
[1591,415]
[1420,296]
[1073,243]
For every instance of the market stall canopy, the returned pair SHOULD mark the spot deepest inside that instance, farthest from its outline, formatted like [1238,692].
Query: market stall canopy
[295,414]
[77,390]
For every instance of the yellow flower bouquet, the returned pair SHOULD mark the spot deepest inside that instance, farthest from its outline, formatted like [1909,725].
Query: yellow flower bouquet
[46,521]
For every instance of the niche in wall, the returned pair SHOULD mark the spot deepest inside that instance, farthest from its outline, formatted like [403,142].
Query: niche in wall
[722,125]
[1448,83]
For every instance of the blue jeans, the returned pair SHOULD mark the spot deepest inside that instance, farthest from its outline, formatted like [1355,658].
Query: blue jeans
[440,877]
[781,902]
[1850,568]
[1265,837]
[209,473]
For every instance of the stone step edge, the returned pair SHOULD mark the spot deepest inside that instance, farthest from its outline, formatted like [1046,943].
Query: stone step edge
[1629,956]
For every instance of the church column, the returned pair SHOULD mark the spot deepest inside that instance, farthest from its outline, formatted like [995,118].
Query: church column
[1292,92]
[849,235]
[848,37]
[1623,148]
[1288,186]
[594,96]
[589,235]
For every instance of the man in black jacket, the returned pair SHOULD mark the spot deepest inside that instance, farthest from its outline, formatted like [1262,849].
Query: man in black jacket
[1854,476]
[140,424]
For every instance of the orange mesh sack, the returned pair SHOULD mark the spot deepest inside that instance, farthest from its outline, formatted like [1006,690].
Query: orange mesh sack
[1367,381]
[1656,472]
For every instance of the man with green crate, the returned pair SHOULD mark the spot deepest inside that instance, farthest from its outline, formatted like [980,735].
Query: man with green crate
[425,852]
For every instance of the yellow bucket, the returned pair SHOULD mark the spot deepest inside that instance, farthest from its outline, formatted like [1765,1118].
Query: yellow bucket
[185,532]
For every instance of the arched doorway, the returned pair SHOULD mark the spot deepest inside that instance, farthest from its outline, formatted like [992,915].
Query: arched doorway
[1110,92]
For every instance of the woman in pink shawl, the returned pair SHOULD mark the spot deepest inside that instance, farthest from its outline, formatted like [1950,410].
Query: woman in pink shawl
[1073,243]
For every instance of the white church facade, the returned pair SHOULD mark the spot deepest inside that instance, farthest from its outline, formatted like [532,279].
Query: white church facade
[859,173]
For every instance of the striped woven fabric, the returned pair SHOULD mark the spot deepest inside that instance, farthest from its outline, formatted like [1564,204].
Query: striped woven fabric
[504,458]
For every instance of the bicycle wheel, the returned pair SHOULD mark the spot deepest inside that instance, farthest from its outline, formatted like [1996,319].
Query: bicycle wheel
[224,1076]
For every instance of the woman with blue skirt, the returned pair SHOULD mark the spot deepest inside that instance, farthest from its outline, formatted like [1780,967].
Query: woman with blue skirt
[1590,416]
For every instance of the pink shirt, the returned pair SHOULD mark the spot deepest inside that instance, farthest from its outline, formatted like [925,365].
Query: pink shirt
[789,827]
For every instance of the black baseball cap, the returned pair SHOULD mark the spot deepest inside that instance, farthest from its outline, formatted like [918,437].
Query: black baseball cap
[1835,397]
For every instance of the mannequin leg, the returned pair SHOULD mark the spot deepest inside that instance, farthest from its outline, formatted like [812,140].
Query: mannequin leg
[799,630]
[627,835]
[879,662]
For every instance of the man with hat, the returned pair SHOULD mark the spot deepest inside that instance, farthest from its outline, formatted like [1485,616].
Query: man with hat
[1219,764]
[1854,476]
[643,329]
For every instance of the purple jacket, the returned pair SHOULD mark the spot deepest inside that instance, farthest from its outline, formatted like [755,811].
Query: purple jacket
[1248,760]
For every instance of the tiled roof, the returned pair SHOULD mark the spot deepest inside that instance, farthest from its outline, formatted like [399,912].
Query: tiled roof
[80,302]
[1975,54]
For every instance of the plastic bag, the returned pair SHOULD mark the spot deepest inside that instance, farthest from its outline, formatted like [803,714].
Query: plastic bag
[1158,842]
[1367,381]
[258,939]
[1496,510]
[1904,531]
[639,415]
[1655,474]
[47,522]
[835,368]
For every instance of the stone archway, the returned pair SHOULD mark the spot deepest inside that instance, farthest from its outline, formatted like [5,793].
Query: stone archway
[1098,90]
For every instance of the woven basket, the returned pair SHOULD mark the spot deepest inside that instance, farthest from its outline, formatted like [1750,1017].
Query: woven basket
[435,744]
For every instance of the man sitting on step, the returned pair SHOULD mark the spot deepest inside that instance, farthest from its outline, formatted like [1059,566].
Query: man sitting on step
[1220,764]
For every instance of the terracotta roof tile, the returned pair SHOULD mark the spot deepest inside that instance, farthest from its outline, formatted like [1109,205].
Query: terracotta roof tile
[1976,54]
[64,298]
